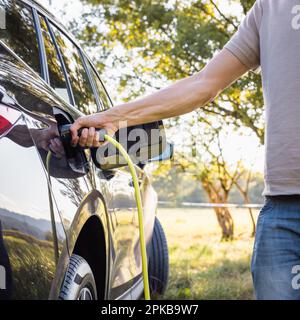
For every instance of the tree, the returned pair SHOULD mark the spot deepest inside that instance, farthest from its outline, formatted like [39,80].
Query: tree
[202,157]
[215,174]
[158,42]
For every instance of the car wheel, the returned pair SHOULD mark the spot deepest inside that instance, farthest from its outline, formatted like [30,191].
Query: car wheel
[158,261]
[79,282]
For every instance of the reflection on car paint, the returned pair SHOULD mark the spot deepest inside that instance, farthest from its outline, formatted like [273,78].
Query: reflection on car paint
[25,217]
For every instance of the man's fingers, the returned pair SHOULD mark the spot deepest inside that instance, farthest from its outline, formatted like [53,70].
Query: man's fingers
[90,137]
[74,131]
[75,141]
[96,143]
[83,138]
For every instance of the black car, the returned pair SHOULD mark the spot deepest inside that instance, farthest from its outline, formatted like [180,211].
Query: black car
[68,223]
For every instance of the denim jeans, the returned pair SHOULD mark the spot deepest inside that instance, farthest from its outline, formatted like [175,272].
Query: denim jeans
[275,264]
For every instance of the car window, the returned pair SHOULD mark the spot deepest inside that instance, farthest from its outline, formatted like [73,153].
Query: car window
[56,75]
[82,90]
[105,101]
[19,32]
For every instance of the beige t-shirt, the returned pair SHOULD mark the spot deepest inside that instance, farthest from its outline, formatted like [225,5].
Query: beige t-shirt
[269,37]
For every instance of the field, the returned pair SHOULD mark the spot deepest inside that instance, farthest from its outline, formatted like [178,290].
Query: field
[201,266]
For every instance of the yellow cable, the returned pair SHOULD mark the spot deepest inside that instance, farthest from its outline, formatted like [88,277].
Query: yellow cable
[140,212]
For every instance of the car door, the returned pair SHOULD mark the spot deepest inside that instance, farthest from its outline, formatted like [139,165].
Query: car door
[89,97]
[85,91]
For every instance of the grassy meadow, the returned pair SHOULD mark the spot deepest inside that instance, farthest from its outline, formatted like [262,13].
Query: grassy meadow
[201,266]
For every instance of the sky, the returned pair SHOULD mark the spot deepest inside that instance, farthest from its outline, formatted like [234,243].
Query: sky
[237,146]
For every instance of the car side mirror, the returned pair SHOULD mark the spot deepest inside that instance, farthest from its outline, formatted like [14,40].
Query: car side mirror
[143,143]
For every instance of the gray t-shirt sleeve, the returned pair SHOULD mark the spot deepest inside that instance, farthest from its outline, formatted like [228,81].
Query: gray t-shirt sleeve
[245,42]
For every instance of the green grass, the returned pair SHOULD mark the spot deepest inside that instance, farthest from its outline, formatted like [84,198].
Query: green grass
[201,266]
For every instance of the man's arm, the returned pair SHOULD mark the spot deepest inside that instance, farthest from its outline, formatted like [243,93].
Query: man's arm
[182,97]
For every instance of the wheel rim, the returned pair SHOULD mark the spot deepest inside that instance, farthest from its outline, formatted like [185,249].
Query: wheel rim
[85,294]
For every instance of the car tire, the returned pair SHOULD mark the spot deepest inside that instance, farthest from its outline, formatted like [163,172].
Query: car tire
[158,267]
[79,282]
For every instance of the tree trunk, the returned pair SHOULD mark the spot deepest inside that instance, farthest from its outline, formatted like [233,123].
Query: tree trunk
[223,214]
[226,223]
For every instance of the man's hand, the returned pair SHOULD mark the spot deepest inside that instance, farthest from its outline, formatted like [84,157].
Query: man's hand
[89,136]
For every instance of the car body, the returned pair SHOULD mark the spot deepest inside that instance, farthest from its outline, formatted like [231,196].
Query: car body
[49,209]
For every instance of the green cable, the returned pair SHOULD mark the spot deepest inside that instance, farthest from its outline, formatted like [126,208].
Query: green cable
[140,212]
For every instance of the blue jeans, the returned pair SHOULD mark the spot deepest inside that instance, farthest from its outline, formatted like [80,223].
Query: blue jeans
[275,262]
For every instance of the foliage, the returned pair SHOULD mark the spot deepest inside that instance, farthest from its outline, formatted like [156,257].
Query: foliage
[157,42]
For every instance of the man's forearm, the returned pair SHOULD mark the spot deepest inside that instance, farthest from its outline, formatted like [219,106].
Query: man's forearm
[182,97]
[177,99]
